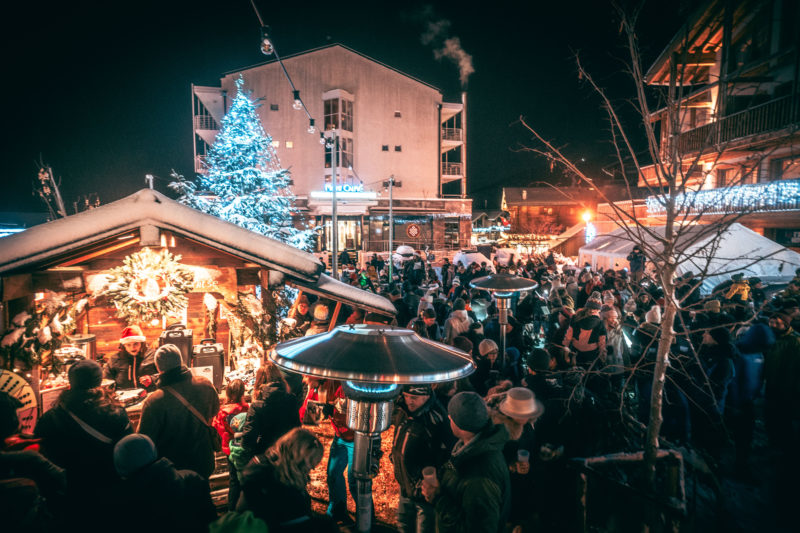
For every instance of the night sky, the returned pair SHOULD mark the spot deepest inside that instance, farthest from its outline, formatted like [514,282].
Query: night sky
[101,91]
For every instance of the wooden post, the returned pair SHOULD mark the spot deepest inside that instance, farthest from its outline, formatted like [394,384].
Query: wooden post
[335,316]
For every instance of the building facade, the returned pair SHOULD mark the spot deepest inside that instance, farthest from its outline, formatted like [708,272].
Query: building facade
[389,136]
[733,72]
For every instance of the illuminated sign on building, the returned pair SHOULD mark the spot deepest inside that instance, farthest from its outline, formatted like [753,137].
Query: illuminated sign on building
[345,187]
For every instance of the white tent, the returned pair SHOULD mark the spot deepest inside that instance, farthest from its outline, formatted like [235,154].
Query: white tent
[739,249]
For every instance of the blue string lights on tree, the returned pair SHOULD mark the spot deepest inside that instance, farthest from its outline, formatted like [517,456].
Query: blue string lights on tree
[243,182]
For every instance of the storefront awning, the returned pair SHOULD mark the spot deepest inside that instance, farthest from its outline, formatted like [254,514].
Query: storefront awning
[328,287]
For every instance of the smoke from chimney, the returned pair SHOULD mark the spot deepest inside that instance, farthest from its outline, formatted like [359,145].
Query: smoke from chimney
[437,35]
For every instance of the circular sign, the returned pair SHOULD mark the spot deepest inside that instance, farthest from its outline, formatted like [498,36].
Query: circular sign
[413,231]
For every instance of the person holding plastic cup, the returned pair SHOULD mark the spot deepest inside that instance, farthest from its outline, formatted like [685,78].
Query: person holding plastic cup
[422,443]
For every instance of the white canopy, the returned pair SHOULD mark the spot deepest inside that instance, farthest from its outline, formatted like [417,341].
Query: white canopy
[739,249]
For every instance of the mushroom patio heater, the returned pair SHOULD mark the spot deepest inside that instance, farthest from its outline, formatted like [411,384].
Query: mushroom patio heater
[373,361]
[502,286]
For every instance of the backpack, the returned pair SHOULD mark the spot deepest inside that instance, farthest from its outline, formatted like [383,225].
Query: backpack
[238,456]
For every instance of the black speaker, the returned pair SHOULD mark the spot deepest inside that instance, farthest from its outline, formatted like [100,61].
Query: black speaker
[181,337]
[209,354]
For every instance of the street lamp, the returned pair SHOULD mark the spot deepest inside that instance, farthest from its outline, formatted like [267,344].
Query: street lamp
[331,141]
[391,183]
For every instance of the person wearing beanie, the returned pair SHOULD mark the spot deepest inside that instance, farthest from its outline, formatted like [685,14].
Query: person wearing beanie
[79,433]
[179,435]
[174,500]
[457,323]
[422,437]
[320,314]
[473,495]
[132,366]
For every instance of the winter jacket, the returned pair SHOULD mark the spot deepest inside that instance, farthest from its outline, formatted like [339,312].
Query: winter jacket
[167,499]
[475,485]
[457,324]
[126,369]
[89,462]
[222,423]
[271,416]
[422,438]
[177,433]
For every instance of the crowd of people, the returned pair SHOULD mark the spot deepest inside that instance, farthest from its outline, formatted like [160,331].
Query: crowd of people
[484,453]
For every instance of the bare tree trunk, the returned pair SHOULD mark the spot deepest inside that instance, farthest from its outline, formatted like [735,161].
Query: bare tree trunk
[659,376]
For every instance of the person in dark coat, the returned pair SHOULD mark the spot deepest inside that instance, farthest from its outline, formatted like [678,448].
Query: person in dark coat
[274,484]
[422,437]
[32,488]
[79,433]
[472,493]
[169,499]
[177,433]
[274,412]
[133,366]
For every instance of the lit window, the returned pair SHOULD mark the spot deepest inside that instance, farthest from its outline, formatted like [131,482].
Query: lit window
[276,144]
[273,107]
[289,144]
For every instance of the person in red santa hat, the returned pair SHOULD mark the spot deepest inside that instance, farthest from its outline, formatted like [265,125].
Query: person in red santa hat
[133,366]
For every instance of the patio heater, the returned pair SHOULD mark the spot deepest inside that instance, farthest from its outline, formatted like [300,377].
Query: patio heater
[373,361]
[503,286]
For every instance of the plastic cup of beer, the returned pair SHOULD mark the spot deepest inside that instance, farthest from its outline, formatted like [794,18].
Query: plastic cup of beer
[523,456]
[429,476]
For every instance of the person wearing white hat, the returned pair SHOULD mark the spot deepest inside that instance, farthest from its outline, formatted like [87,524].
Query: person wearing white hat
[133,365]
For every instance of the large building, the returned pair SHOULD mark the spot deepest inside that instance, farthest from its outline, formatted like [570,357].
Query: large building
[389,125]
[734,70]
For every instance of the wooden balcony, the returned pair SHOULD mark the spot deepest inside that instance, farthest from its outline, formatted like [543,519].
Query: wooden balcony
[768,117]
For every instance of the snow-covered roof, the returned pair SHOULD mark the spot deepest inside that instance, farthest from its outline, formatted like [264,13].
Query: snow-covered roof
[328,287]
[44,244]
[46,241]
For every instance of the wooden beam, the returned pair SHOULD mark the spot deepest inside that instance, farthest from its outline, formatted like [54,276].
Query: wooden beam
[102,251]
[335,316]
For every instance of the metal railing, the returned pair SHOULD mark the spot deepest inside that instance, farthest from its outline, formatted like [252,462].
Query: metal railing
[770,116]
[205,122]
[452,134]
[199,163]
[451,169]
[378,245]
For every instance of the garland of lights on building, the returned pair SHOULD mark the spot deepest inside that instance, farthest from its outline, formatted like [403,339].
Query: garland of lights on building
[149,285]
[777,195]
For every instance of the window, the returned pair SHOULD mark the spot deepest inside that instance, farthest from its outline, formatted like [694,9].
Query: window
[345,153]
[331,114]
[787,168]
[385,147]
[273,107]
[289,144]
[397,114]
[276,144]
[398,148]
[347,115]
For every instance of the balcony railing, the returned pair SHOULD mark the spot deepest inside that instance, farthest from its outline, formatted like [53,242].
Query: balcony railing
[199,163]
[205,122]
[452,134]
[764,118]
[451,169]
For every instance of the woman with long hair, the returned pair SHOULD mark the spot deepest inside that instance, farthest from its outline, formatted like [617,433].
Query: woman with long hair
[274,484]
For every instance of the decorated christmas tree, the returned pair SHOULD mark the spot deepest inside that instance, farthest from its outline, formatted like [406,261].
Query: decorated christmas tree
[243,182]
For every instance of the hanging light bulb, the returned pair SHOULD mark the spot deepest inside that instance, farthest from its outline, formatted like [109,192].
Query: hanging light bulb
[311,128]
[322,139]
[298,104]
[266,44]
